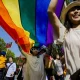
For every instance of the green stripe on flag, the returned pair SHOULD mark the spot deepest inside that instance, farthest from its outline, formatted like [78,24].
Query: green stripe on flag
[27,14]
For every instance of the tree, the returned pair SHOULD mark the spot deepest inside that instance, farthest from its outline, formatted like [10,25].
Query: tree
[2,45]
[57,49]
[9,53]
[67,1]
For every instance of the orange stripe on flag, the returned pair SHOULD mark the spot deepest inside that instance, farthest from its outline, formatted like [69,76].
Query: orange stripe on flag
[14,31]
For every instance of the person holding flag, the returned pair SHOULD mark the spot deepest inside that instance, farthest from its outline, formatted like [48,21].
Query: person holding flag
[35,64]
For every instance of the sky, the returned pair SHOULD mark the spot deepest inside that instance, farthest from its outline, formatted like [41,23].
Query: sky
[7,39]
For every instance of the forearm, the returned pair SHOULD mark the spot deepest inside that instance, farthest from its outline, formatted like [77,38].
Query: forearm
[52,5]
[22,52]
[53,17]
[55,22]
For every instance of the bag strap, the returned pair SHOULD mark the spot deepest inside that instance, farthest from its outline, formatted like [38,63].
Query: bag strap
[9,66]
[66,31]
[19,72]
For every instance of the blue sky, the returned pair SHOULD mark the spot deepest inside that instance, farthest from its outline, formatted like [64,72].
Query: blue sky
[8,39]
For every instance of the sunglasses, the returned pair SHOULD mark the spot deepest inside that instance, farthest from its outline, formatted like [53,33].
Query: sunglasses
[34,49]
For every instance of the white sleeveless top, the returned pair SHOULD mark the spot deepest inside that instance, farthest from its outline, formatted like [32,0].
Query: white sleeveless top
[72,50]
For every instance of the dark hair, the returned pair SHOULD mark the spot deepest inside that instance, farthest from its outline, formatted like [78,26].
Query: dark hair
[68,23]
[34,47]
[10,57]
[31,50]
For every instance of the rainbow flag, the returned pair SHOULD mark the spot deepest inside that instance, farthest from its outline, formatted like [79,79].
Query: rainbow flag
[27,21]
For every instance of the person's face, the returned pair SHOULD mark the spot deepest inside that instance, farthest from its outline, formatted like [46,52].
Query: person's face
[35,51]
[10,59]
[74,15]
[57,56]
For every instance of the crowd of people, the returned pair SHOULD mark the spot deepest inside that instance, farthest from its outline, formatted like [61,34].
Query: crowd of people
[7,67]
[10,69]
[39,64]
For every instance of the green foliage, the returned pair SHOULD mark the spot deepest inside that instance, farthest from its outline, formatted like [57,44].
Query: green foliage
[2,45]
[56,49]
[68,1]
[9,53]
[20,60]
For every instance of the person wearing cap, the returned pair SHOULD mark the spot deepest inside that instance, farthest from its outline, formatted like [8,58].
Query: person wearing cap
[2,64]
[35,64]
[69,32]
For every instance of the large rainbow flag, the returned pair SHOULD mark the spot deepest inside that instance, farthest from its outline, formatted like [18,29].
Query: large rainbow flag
[26,21]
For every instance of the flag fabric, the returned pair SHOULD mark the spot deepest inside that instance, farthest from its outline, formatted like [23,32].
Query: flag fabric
[27,21]
[8,45]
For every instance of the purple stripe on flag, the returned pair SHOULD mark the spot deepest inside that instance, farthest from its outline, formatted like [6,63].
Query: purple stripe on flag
[50,32]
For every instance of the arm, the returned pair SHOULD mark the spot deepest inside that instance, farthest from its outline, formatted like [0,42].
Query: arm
[53,17]
[24,53]
[14,67]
